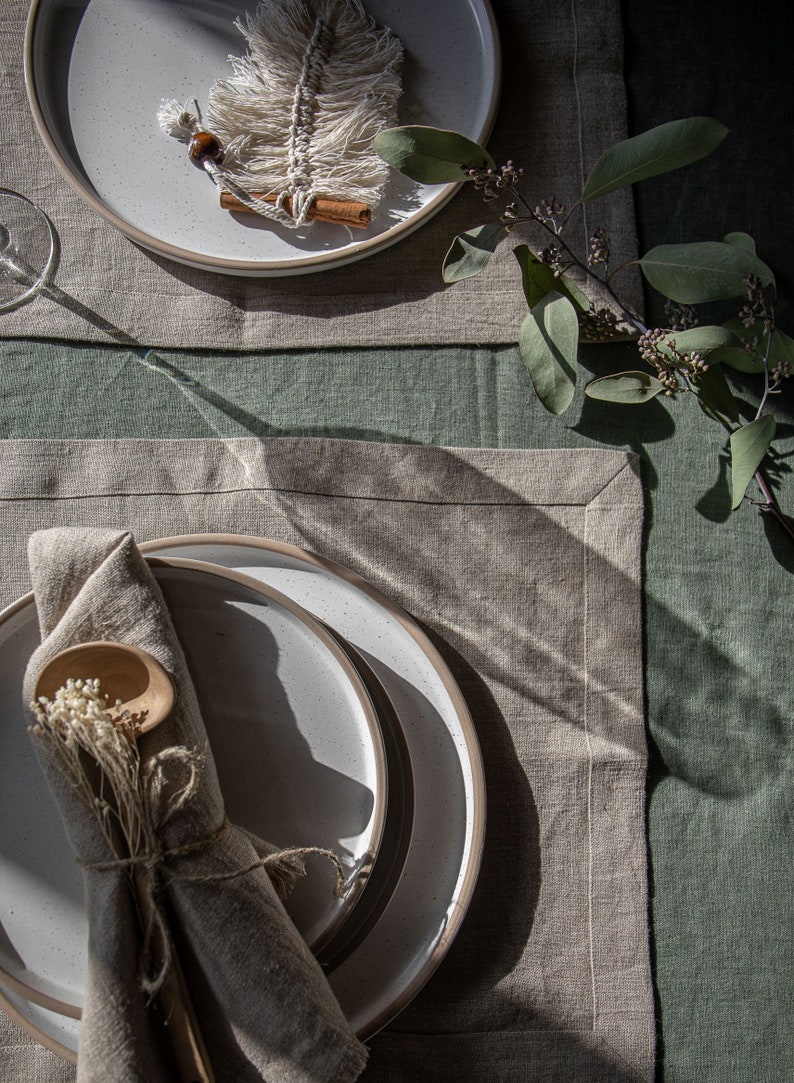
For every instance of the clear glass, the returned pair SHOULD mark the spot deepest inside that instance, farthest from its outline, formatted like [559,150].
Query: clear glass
[28,250]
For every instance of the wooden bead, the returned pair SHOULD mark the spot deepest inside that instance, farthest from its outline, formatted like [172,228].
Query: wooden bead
[205,145]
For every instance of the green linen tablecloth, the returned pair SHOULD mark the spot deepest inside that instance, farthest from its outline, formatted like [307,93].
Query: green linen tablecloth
[717,613]
[717,586]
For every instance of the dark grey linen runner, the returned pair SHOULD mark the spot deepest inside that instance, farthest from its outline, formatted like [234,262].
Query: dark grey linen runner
[563,103]
[524,567]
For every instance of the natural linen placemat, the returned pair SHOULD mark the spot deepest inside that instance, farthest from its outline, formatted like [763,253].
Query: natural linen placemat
[563,102]
[524,567]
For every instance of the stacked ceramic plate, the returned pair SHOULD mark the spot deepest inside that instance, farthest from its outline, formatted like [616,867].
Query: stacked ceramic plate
[333,722]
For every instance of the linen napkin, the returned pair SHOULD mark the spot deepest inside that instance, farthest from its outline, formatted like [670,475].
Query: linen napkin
[264,1007]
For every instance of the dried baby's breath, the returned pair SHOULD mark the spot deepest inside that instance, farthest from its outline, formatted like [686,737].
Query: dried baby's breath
[77,723]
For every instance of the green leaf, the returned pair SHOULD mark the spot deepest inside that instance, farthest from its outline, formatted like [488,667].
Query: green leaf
[748,446]
[538,280]
[704,271]
[431,155]
[659,150]
[741,240]
[570,290]
[714,396]
[737,358]
[627,387]
[549,342]
[471,251]
[782,348]
[698,339]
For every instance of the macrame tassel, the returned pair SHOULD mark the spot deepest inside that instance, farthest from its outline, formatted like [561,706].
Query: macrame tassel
[298,118]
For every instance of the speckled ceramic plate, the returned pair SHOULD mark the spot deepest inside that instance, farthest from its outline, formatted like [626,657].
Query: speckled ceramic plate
[419,917]
[275,688]
[417,926]
[52,1023]
[97,70]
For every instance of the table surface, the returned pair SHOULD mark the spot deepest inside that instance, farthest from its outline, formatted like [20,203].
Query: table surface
[717,585]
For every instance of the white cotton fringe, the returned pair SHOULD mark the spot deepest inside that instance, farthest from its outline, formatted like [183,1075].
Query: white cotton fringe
[300,113]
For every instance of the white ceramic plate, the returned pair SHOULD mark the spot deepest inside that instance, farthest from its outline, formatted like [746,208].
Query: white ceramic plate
[414,930]
[51,1022]
[97,71]
[275,688]
[424,914]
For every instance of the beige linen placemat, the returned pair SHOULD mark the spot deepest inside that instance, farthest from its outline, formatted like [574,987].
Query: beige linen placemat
[524,567]
[563,102]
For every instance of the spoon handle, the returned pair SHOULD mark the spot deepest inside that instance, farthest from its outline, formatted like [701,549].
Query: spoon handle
[189,1049]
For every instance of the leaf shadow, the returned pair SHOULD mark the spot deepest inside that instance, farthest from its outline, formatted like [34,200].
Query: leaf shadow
[633,427]
[715,504]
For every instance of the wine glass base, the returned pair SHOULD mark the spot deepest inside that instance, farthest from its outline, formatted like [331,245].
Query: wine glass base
[28,250]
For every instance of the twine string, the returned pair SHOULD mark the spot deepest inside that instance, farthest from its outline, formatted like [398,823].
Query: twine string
[150,860]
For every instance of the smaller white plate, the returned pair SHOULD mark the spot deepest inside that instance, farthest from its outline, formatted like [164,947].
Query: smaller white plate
[295,738]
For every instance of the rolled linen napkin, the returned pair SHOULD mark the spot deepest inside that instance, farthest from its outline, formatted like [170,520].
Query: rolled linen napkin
[264,1007]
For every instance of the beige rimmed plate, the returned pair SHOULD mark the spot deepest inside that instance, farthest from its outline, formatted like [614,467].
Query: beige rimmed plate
[49,1021]
[425,912]
[275,689]
[97,71]
[415,928]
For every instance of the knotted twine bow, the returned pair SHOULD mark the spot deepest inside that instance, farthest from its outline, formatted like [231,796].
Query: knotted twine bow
[134,801]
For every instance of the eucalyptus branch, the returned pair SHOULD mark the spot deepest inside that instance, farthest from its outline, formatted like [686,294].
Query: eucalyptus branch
[576,261]
[684,357]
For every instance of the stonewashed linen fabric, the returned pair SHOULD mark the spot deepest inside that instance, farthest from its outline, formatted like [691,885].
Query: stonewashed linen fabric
[563,103]
[524,567]
[263,1005]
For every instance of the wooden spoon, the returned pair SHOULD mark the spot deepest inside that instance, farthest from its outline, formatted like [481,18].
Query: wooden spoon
[131,680]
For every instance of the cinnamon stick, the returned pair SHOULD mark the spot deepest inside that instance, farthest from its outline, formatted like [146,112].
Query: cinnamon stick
[337,211]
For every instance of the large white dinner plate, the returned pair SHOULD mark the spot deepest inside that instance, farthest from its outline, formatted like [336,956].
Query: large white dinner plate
[294,735]
[421,917]
[424,914]
[97,71]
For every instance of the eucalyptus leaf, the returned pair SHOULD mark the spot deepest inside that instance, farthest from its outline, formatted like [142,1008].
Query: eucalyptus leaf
[471,251]
[668,146]
[741,240]
[714,395]
[549,342]
[781,351]
[538,279]
[737,358]
[699,339]
[573,293]
[782,348]
[748,446]
[626,387]
[703,271]
[431,155]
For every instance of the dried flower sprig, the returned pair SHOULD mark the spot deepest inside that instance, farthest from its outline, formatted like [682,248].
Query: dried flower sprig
[77,723]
